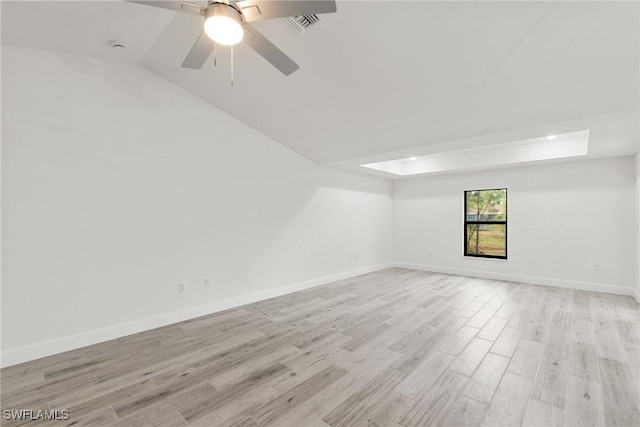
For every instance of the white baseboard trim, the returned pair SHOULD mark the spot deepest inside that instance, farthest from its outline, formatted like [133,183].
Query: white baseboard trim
[533,280]
[26,354]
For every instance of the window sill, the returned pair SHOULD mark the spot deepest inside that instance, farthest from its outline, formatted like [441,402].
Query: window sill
[484,258]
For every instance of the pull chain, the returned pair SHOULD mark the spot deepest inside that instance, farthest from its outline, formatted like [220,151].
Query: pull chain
[215,44]
[231,65]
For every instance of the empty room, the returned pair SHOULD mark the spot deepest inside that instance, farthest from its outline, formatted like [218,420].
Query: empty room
[320,213]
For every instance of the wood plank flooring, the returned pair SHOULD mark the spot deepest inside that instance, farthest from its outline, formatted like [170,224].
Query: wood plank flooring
[392,348]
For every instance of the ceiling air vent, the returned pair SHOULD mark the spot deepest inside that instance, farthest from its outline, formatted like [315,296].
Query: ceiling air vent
[302,23]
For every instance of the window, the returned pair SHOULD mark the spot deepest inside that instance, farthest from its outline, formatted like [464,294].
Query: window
[485,223]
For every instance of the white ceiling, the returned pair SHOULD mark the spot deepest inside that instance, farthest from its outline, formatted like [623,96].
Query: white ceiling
[83,27]
[543,148]
[381,78]
[615,134]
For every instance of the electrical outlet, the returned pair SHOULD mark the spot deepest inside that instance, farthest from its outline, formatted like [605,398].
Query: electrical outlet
[182,288]
[429,254]
[207,283]
[597,267]
[355,257]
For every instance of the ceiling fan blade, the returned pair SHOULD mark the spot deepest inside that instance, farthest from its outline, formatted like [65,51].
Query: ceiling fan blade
[258,10]
[268,50]
[199,52]
[178,6]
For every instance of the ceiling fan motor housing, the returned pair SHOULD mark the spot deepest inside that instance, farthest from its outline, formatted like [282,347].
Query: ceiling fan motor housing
[223,9]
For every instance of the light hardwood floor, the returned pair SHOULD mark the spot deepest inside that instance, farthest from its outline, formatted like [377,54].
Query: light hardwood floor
[392,348]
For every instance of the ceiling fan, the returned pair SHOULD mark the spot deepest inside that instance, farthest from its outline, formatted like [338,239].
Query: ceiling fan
[227,23]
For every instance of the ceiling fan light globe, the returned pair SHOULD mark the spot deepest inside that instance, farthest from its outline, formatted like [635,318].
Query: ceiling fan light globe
[223,24]
[223,30]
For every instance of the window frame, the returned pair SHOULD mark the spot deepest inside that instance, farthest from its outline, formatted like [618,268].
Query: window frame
[506,227]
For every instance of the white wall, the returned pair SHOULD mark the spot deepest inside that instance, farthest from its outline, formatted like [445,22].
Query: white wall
[117,185]
[637,294]
[564,218]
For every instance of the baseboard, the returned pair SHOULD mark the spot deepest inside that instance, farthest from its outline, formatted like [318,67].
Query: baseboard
[532,280]
[25,354]
[636,295]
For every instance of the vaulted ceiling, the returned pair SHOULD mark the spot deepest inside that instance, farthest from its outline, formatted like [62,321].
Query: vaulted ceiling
[379,78]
